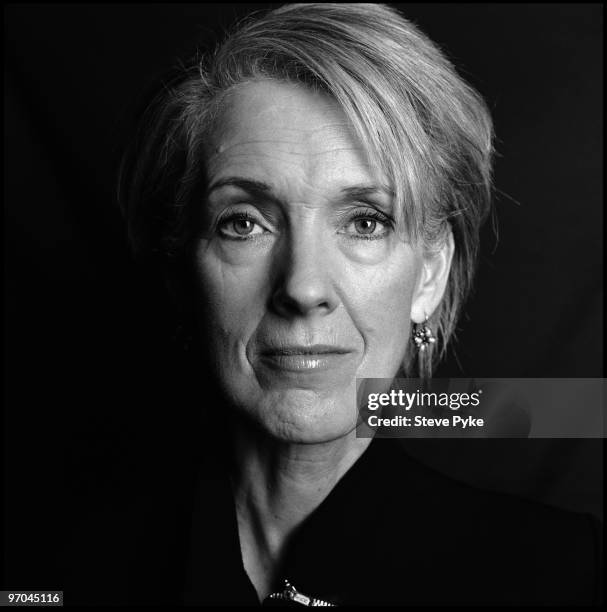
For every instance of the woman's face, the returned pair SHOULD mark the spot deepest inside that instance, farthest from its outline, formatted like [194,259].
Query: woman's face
[304,283]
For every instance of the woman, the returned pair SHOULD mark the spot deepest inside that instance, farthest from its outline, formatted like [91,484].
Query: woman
[313,189]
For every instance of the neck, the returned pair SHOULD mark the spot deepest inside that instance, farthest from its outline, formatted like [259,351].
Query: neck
[277,485]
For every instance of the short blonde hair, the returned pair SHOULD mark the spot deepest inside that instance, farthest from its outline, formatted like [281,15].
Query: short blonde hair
[427,130]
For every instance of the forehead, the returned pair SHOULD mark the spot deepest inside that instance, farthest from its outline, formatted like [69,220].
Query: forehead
[286,132]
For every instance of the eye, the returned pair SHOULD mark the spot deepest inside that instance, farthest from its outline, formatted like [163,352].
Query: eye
[365,226]
[368,225]
[239,226]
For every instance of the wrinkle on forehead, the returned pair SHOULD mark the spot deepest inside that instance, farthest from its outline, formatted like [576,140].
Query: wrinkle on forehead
[310,141]
[253,150]
[269,129]
[264,103]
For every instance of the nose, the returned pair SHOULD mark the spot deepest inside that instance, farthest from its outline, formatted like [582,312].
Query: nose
[304,285]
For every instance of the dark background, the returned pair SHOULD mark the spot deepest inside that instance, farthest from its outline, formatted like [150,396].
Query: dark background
[93,395]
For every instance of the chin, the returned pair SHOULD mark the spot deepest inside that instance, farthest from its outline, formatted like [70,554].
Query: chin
[301,416]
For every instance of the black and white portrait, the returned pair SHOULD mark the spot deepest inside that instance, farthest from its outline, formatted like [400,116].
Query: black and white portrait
[226,224]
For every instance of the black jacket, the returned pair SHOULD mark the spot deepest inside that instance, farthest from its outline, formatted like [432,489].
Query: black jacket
[392,532]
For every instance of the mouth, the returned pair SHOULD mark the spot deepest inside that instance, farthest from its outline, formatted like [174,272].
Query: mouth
[302,359]
[315,349]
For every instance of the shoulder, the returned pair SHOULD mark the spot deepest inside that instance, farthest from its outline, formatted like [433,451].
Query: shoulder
[492,542]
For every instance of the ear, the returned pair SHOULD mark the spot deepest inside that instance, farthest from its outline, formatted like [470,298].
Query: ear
[432,281]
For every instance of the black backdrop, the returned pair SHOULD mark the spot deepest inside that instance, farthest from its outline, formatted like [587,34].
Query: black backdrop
[91,392]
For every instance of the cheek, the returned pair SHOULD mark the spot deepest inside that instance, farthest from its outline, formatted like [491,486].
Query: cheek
[232,297]
[382,309]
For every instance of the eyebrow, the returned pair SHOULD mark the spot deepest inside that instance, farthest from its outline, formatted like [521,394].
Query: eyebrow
[260,189]
[255,188]
[364,191]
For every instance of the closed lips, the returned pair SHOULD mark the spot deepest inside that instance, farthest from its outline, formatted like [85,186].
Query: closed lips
[317,349]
